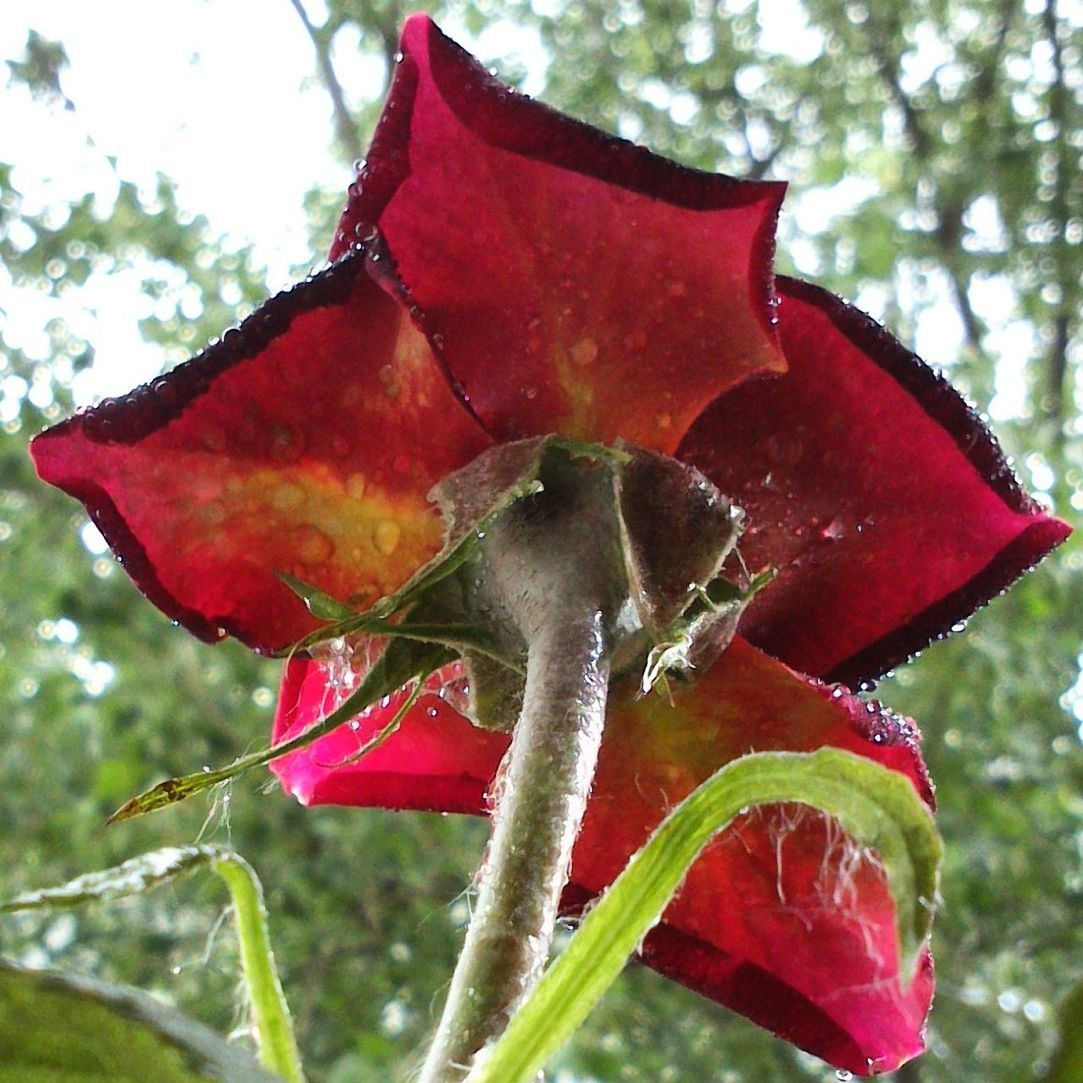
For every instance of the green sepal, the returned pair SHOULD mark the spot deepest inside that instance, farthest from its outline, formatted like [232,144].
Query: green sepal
[403,661]
[321,605]
[878,807]
[699,636]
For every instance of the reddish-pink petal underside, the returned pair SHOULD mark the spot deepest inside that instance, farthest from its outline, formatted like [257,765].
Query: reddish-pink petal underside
[572,282]
[304,442]
[878,494]
[436,761]
[783,919]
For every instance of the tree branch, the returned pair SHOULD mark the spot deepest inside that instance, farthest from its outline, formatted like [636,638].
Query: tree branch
[1053,402]
[345,125]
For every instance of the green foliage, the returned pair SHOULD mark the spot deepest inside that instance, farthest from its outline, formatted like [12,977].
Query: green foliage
[55,1029]
[942,136]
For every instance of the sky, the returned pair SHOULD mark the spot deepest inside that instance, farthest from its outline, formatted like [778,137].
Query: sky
[185,89]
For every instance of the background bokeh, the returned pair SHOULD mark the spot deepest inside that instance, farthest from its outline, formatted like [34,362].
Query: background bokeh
[934,152]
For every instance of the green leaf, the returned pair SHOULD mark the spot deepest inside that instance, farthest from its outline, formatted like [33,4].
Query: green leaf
[878,807]
[77,1030]
[133,877]
[271,1015]
[403,661]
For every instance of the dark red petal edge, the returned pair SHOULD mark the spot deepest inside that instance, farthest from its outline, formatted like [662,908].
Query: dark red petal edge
[739,986]
[964,425]
[759,996]
[511,121]
[133,417]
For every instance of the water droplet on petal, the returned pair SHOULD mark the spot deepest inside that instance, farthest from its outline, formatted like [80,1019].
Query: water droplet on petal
[387,378]
[356,485]
[584,351]
[664,421]
[287,497]
[834,530]
[312,545]
[386,536]
[287,446]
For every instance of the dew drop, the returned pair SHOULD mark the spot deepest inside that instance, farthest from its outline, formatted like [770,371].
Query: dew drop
[387,378]
[664,421]
[584,352]
[834,530]
[286,445]
[386,536]
[312,545]
[212,513]
[213,440]
[356,485]
[288,497]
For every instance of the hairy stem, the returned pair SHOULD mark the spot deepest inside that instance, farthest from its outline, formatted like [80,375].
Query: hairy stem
[542,794]
[270,1013]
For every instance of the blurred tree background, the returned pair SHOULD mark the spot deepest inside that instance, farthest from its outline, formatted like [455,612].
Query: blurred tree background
[934,152]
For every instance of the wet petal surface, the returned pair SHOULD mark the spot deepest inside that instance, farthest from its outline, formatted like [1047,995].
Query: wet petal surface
[304,443]
[783,919]
[878,494]
[573,283]
[437,761]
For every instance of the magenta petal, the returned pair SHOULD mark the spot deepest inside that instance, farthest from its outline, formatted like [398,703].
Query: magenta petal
[304,442]
[879,495]
[571,281]
[436,761]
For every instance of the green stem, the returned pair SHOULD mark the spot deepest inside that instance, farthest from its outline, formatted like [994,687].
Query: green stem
[271,1015]
[542,795]
[547,565]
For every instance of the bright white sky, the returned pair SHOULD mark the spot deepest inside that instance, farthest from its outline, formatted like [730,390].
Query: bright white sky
[212,95]
[220,96]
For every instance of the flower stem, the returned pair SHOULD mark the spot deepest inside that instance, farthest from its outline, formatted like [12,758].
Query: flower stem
[271,1015]
[542,794]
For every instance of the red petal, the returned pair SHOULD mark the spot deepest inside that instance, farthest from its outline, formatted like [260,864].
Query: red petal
[436,761]
[304,442]
[880,496]
[573,282]
[783,919]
